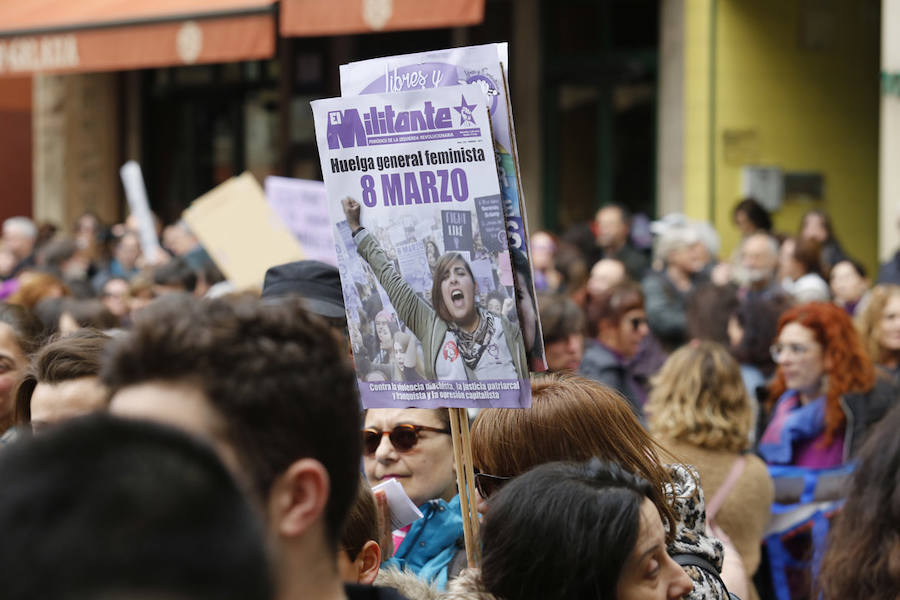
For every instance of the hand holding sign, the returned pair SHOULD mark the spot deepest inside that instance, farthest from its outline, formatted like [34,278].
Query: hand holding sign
[351,211]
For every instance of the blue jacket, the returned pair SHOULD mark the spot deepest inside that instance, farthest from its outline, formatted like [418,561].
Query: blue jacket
[431,542]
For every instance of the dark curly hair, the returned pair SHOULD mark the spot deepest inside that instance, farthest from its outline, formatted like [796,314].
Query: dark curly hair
[278,376]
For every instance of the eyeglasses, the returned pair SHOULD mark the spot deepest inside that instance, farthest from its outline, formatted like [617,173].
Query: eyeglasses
[488,484]
[778,350]
[636,322]
[403,437]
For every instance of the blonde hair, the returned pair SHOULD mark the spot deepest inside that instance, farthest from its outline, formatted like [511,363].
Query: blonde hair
[699,397]
[868,322]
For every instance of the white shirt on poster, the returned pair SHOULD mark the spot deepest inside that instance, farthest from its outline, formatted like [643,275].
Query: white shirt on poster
[496,361]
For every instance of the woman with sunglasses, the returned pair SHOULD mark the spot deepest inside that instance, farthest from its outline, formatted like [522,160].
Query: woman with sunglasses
[825,393]
[414,447]
[460,339]
[618,324]
[574,419]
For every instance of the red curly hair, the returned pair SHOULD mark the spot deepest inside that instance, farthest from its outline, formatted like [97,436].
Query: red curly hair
[849,368]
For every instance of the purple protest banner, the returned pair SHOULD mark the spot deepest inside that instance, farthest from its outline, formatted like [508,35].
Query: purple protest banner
[303,207]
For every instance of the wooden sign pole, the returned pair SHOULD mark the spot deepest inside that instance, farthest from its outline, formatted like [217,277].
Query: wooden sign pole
[465,481]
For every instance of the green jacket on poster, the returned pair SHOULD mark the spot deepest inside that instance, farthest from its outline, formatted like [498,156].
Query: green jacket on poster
[421,318]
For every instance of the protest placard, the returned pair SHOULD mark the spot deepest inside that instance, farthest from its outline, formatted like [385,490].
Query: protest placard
[414,265]
[392,162]
[484,274]
[487,66]
[457,230]
[490,223]
[303,207]
[241,233]
[136,196]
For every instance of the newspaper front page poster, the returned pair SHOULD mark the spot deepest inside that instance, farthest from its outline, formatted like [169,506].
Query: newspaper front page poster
[410,178]
[485,65]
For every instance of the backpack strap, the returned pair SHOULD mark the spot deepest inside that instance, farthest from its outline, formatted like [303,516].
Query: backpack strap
[718,499]
[692,560]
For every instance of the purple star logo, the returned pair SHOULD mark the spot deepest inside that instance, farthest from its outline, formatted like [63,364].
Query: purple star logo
[466,114]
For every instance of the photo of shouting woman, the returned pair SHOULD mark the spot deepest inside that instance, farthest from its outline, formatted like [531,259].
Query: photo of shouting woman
[461,340]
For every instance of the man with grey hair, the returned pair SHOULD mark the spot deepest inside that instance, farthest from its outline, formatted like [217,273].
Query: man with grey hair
[757,267]
[19,237]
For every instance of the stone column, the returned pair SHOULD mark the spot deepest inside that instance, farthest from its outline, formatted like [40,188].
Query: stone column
[76,147]
[889,138]
[670,109]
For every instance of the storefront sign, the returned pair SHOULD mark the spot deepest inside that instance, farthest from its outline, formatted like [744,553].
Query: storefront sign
[35,54]
[140,46]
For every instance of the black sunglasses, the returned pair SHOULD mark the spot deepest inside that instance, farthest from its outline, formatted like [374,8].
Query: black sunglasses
[487,484]
[403,437]
[636,322]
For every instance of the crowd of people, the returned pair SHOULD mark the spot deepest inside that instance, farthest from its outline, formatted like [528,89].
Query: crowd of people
[167,436]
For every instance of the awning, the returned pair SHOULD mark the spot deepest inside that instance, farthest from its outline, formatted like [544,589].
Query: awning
[332,17]
[68,36]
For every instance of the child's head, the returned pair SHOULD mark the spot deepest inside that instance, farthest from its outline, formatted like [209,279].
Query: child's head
[359,556]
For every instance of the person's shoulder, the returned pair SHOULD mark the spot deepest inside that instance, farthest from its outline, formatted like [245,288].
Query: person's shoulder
[883,393]
[599,363]
[397,584]
[598,351]
[653,277]
[372,592]
[655,286]
[869,407]
[756,472]
[889,271]
[756,465]
[630,253]
[685,481]
[627,251]
[468,586]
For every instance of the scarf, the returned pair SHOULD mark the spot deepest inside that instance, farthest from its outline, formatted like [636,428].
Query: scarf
[472,345]
[792,423]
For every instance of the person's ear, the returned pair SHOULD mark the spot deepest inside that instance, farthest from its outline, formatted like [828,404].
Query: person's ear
[298,497]
[368,562]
